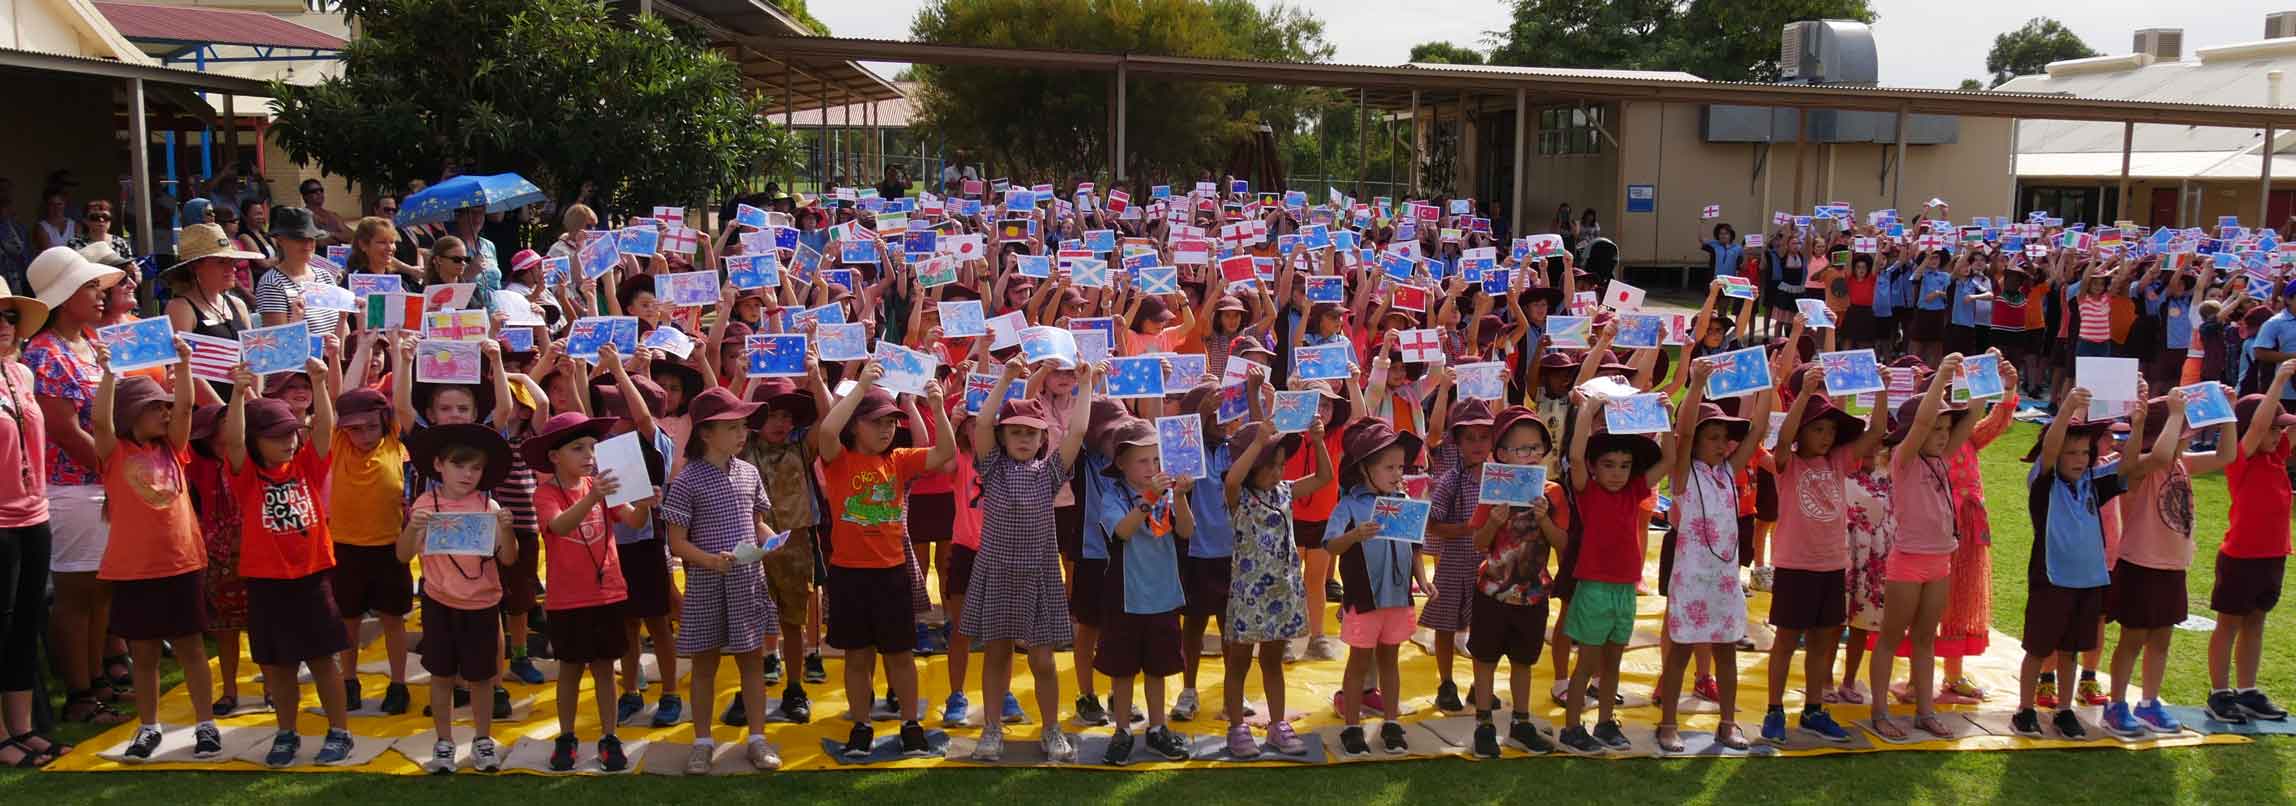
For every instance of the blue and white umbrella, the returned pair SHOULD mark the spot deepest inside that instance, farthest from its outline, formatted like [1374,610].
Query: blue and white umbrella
[439,202]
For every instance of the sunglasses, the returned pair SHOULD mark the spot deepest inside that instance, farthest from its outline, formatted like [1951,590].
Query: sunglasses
[99,216]
[393,210]
[10,316]
[456,259]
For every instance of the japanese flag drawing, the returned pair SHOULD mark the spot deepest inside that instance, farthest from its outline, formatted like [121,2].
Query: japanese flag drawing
[1622,297]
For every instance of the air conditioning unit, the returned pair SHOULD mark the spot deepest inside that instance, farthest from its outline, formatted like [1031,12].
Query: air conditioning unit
[1828,52]
[2164,44]
[2281,25]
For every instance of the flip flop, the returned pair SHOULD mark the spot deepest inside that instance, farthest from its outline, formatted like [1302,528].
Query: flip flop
[1888,730]
[1933,726]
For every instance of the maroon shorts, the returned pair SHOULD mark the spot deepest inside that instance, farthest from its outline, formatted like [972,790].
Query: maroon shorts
[957,574]
[1308,534]
[932,517]
[2061,619]
[1068,531]
[2246,585]
[1084,596]
[869,609]
[1765,500]
[1808,600]
[462,644]
[1204,581]
[522,580]
[2145,598]
[1499,630]
[587,634]
[372,579]
[1132,643]
[290,621]
[646,574]
[167,607]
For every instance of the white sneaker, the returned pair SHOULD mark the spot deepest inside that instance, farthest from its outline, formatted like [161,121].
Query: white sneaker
[698,759]
[991,746]
[1184,708]
[1323,647]
[484,756]
[762,754]
[441,758]
[1056,744]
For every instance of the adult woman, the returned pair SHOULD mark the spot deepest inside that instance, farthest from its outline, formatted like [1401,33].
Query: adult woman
[578,217]
[62,358]
[410,242]
[201,285]
[375,249]
[24,539]
[279,295]
[56,228]
[254,235]
[1588,230]
[1563,225]
[97,228]
[449,262]
[1727,253]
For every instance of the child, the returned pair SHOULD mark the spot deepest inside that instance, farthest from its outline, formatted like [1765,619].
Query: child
[630,401]
[1822,445]
[1614,475]
[155,560]
[461,596]
[1208,554]
[1509,615]
[1918,574]
[584,574]
[1140,630]
[2250,563]
[2148,593]
[366,480]
[1015,592]
[785,459]
[208,481]
[2067,576]
[870,615]
[286,556]
[1467,435]
[1704,605]
[715,511]
[1266,599]
[1376,606]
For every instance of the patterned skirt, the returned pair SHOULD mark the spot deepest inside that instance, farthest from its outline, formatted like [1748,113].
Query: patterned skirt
[226,592]
[1016,593]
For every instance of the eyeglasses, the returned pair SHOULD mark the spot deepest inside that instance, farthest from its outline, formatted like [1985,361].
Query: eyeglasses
[457,259]
[392,210]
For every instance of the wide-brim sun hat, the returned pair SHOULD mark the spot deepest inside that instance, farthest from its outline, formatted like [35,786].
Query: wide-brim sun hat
[59,272]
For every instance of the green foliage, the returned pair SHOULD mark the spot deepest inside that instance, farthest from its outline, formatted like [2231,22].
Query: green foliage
[559,91]
[1721,40]
[1971,84]
[2030,49]
[796,8]
[1445,53]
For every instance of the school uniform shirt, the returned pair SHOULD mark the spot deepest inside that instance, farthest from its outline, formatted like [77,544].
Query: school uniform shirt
[1937,282]
[868,502]
[667,447]
[1966,312]
[363,498]
[460,582]
[2156,520]
[154,533]
[281,533]
[1812,532]
[1727,256]
[1215,535]
[1376,574]
[2068,520]
[1614,524]
[1093,488]
[2258,522]
[583,568]
[2278,334]
[2176,315]
[1150,565]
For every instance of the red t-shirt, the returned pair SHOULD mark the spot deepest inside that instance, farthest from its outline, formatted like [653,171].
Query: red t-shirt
[1617,524]
[282,531]
[584,569]
[1299,466]
[2258,527]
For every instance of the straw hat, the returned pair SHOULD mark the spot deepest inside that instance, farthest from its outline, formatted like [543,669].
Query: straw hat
[201,241]
[30,313]
[59,272]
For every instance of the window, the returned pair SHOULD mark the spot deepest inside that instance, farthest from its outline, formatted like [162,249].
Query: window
[1570,130]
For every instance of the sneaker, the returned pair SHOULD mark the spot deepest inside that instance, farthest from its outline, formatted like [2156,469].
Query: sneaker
[913,740]
[1119,749]
[1447,697]
[562,753]
[2257,706]
[1088,710]
[2069,725]
[146,743]
[698,760]
[394,699]
[2224,706]
[351,699]
[892,704]
[815,672]
[1164,742]
[2156,717]
[1391,739]
[1184,707]
[857,743]
[523,669]
[628,705]
[1706,689]
[761,754]
[1774,726]
[206,742]
[501,703]
[1056,745]
[929,641]
[1486,740]
[1762,578]
[954,710]
[483,755]
[1575,739]
[773,670]
[2118,721]
[736,714]
[2027,723]
[336,750]
[1012,712]
[2046,695]
[1323,647]
[991,746]
[610,755]
[1527,736]
[283,749]
[441,758]
[1240,743]
[1351,743]
[668,709]
[1286,741]
[1612,735]
[1822,724]
[1331,590]
[795,706]
[2092,692]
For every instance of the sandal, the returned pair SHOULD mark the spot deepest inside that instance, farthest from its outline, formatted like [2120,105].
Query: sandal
[1888,730]
[29,759]
[84,707]
[1849,694]
[1932,726]
[1668,739]
[123,680]
[224,706]
[1729,736]
[56,748]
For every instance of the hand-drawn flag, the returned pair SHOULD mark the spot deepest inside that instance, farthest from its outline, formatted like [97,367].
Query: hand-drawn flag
[394,311]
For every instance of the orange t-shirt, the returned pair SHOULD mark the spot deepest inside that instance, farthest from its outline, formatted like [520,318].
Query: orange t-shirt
[282,533]
[462,583]
[155,534]
[869,507]
[1300,465]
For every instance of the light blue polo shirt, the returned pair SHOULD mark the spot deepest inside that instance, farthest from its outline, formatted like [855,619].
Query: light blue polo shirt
[1151,563]
[1387,562]
[1215,536]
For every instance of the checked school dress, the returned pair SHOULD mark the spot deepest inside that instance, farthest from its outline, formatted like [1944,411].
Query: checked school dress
[1267,601]
[1016,593]
[729,612]
[1703,602]
[1455,494]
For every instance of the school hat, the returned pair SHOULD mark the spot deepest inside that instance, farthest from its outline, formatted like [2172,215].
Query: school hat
[1641,447]
[606,396]
[424,444]
[630,288]
[559,430]
[2244,410]
[1280,447]
[359,402]
[2156,418]
[295,222]
[874,404]
[687,376]
[1246,345]
[1513,416]
[1129,431]
[481,393]
[59,272]
[1909,361]
[719,403]
[1557,359]
[1192,401]
[1153,310]
[1367,436]
[1548,294]
[1901,425]
[1710,412]
[1027,411]
[2090,430]
[783,394]
[1230,302]
[268,417]
[1469,412]
[133,395]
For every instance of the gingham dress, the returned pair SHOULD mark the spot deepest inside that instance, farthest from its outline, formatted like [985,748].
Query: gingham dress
[728,612]
[1454,496]
[1016,592]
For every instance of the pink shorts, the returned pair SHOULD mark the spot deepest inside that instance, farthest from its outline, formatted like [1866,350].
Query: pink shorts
[1387,626]
[1906,566]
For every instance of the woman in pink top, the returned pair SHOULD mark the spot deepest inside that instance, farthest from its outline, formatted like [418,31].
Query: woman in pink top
[2148,593]
[1920,565]
[23,537]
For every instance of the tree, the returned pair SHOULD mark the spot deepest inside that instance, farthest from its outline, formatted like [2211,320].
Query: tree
[1722,40]
[559,91]
[1971,84]
[1444,53]
[2030,49]
[796,8]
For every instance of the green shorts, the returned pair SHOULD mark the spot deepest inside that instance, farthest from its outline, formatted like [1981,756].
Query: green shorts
[1601,613]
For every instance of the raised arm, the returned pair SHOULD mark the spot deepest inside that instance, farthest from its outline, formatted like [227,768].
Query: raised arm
[2260,434]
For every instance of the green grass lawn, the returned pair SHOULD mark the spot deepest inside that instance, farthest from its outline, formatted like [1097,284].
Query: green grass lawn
[2263,772]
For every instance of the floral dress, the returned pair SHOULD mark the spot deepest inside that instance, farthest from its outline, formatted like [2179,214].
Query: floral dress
[219,529]
[1871,532]
[1267,601]
[1704,604]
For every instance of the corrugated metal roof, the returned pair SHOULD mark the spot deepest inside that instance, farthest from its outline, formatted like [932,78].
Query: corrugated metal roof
[190,24]
[1576,72]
